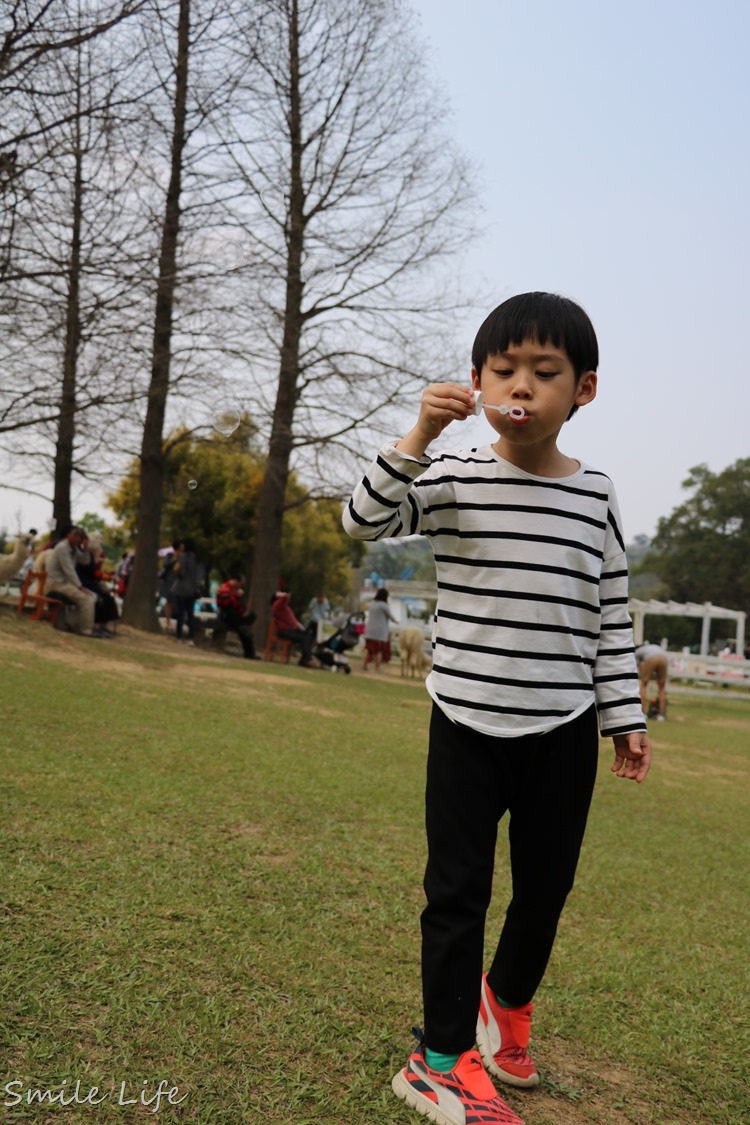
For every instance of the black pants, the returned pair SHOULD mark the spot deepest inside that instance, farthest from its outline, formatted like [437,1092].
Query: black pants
[545,782]
[299,637]
[241,624]
[185,611]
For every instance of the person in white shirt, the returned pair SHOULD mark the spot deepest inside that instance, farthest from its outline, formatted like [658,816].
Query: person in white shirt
[377,631]
[63,579]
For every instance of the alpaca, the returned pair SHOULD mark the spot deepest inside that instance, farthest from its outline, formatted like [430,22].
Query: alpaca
[414,660]
[12,563]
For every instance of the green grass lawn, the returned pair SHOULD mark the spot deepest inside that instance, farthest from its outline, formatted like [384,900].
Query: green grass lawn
[211,878]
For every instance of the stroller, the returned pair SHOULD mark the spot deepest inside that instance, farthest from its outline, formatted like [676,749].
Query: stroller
[331,653]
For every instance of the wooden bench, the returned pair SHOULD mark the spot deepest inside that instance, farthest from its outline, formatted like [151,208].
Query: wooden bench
[274,644]
[43,608]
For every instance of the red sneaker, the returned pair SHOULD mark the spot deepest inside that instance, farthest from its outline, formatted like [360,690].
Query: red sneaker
[502,1038]
[462,1096]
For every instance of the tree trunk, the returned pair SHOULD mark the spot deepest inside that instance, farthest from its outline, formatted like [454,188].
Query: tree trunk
[267,547]
[66,421]
[140,603]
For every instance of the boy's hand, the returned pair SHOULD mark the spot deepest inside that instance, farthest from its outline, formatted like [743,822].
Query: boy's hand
[632,755]
[442,403]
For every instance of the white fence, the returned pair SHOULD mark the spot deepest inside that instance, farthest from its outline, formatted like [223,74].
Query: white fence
[721,671]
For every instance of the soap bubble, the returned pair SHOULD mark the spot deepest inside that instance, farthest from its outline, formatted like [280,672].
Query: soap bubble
[273,199]
[226,421]
[229,253]
[192,485]
[320,271]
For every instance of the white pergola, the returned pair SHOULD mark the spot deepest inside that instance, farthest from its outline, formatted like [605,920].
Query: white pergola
[707,611]
[639,610]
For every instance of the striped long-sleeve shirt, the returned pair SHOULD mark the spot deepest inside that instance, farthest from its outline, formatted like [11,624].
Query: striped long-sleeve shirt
[531,623]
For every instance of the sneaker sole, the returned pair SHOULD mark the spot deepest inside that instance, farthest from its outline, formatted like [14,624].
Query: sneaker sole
[488,1059]
[404,1090]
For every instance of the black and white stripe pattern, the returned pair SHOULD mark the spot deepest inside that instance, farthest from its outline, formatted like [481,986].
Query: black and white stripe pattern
[532,621]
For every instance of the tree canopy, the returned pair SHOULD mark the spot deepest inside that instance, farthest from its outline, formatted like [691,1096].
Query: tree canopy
[211,490]
[702,550]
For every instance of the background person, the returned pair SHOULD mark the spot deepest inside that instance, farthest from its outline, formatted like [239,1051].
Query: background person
[188,580]
[90,567]
[63,579]
[653,664]
[377,631]
[122,573]
[319,610]
[55,535]
[166,586]
[289,628]
[230,600]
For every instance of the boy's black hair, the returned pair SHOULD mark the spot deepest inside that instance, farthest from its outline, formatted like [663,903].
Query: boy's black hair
[545,317]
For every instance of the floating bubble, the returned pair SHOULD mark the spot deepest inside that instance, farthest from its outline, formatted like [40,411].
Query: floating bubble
[226,421]
[273,199]
[228,253]
[192,485]
[320,270]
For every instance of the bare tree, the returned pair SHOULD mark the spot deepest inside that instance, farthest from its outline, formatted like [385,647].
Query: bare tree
[322,294]
[140,608]
[63,304]
[199,85]
[354,203]
[109,196]
[33,29]
[32,32]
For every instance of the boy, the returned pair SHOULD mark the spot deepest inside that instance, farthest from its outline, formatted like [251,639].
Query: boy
[531,639]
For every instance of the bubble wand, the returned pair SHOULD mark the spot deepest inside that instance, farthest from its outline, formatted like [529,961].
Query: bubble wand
[516,412]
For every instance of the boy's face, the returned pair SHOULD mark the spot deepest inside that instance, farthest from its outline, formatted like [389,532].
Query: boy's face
[540,379]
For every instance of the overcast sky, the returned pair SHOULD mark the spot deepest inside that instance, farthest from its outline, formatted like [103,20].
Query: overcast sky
[610,145]
[611,148]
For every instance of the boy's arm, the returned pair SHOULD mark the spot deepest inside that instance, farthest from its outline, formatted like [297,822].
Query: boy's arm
[442,403]
[383,504]
[632,755]
[618,698]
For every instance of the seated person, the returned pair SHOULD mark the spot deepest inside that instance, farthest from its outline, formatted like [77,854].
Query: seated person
[290,629]
[63,580]
[90,563]
[230,598]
